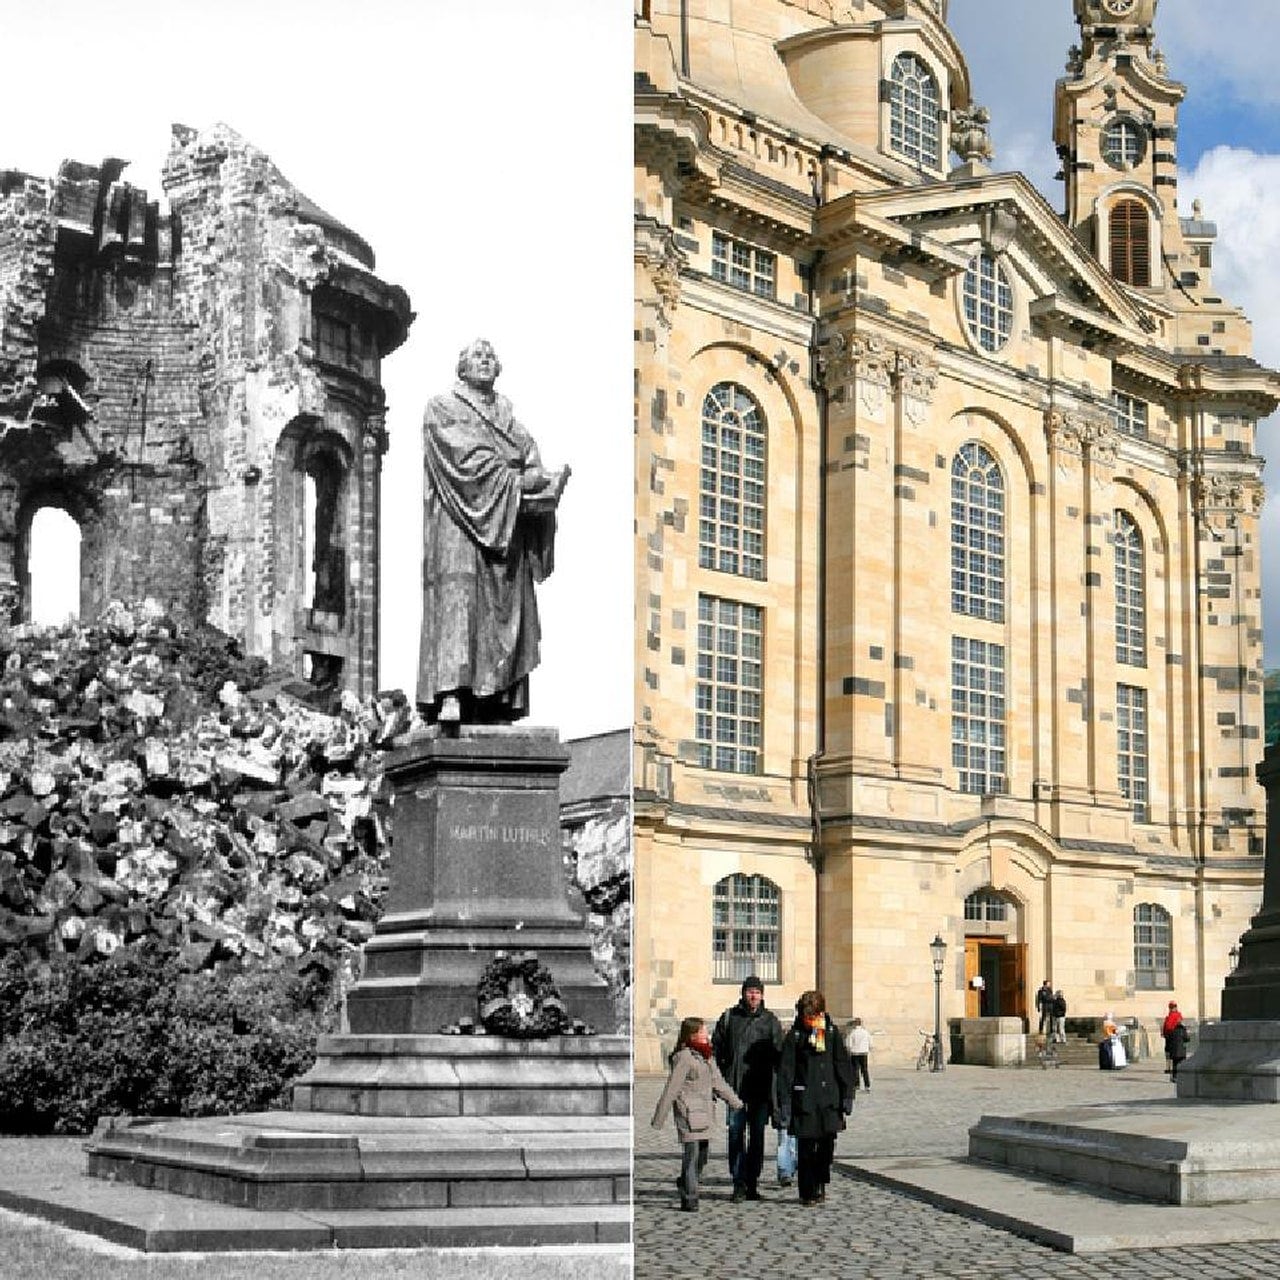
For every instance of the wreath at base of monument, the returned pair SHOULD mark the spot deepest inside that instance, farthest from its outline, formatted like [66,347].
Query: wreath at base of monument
[517,997]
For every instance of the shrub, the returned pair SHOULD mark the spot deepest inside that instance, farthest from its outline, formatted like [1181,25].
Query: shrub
[134,1034]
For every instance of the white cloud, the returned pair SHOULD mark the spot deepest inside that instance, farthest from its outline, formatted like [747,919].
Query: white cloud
[1234,51]
[1239,190]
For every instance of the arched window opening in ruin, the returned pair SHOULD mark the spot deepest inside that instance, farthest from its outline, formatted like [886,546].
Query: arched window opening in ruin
[53,567]
[325,559]
[324,670]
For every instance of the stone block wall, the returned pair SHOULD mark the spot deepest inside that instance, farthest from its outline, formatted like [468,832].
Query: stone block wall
[165,374]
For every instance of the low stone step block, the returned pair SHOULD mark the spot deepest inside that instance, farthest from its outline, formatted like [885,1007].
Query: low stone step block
[1171,1152]
[274,1163]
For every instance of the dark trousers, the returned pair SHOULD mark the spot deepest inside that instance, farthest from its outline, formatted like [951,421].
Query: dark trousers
[1046,1017]
[746,1144]
[692,1162]
[813,1169]
[860,1070]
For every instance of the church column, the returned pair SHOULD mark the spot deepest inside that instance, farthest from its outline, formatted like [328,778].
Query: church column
[364,554]
[915,383]
[860,557]
[1072,705]
[1100,616]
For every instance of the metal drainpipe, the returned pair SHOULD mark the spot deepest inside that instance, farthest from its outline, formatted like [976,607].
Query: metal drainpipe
[820,664]
[1202,800]
[684,38]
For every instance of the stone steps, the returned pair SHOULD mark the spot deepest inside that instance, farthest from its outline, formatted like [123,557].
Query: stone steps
[1077,1052]
[295,1162]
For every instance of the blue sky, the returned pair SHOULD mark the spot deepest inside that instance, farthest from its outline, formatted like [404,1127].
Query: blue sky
[1207,121]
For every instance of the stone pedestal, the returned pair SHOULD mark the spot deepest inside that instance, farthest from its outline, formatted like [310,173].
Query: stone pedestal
[1234,1062]
[476,868]
[993,1042]
[403,1135]
[425,1076]
[1238,1059]
[1172,1152]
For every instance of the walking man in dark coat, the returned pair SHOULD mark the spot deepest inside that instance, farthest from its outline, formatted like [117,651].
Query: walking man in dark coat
[747,1040]
[1044,1005]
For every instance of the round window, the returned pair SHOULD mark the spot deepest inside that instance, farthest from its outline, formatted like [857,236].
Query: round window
[1124,142]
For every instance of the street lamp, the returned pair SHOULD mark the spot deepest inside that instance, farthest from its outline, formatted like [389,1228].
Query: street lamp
[938,952]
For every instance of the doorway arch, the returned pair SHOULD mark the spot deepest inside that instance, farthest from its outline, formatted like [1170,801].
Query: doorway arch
[995,955]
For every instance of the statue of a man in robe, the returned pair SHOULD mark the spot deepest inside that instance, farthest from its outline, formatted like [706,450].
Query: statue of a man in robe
[488,536]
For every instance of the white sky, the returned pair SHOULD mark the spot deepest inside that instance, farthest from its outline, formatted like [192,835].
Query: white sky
[483,149]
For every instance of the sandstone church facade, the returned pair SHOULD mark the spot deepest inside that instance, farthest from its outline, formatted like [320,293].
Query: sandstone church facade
[947,579]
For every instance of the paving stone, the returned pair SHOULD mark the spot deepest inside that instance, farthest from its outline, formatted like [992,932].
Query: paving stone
[871,1231]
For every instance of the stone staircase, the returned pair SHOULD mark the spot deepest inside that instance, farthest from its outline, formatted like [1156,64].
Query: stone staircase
[1078,1051]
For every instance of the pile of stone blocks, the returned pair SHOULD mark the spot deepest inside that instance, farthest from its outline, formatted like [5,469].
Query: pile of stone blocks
[153,782]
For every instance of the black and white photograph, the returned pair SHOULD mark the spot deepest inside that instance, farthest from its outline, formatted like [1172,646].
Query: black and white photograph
[315,541]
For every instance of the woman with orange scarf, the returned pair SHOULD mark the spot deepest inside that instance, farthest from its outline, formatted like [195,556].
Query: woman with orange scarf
[815,1092]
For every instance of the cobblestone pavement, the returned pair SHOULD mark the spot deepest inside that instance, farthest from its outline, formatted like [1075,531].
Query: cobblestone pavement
[869,1231]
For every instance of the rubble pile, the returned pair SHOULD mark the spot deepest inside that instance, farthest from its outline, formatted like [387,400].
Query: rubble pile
[155,783]
[599,859]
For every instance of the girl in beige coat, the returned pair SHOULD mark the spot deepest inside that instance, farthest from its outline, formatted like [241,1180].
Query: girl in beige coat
[694,1081]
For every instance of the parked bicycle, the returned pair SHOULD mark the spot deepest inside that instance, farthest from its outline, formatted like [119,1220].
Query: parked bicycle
[928,1051]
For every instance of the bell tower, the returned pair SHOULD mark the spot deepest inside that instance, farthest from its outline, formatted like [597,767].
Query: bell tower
[1116,127]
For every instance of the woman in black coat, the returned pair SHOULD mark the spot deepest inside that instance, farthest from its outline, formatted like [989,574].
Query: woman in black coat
[815,1092]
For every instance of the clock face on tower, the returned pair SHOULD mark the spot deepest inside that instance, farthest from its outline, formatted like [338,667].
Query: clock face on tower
[1118,8]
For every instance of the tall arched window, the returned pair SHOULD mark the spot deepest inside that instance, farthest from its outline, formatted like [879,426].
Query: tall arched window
[914,130]
[325,559]
[728,695]
[1131,603]
[746,927]
[731,506]
[1152,947]
[977,534]
[1131,242]
[979,745]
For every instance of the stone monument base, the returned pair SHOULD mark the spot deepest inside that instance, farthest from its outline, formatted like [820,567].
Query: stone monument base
[1172,1152]
[397,1121]
[288,1161]
[468,1076]
[1233,1062]
[476,870]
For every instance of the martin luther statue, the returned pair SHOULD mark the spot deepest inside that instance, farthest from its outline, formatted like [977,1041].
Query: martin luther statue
[488,536]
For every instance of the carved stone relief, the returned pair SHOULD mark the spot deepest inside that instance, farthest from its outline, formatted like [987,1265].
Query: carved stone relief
[657,251]
[871,367]
[1223,498]
[918,380]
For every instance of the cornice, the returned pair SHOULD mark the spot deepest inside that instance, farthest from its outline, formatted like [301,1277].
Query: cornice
[1011,193]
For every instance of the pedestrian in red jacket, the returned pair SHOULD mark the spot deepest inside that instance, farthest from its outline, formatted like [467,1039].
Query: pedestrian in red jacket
[1172,1020]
